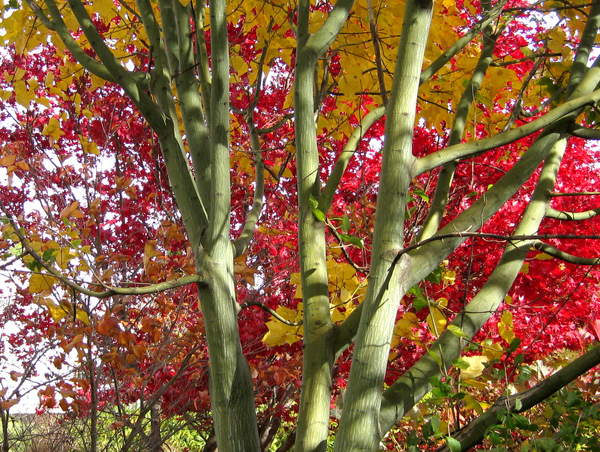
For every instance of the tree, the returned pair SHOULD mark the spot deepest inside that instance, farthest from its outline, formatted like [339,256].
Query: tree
[303,92]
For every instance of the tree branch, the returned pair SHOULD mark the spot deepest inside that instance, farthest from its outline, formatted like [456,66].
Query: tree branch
[527,58]
[572,216]
[57,24]
[199,278]
[377,51]
[446,175]
[414,384]
[243,240]
[566,257]
[584,49]
[320,41]
[584,132]
[485,235]
[473,433]
[266,308]
[344,158]
[474,148]
[201,55]
[450,52]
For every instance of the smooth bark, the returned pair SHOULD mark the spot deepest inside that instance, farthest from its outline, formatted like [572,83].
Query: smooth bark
[360,427]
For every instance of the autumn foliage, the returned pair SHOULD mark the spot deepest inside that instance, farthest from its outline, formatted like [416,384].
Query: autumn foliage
[104,279]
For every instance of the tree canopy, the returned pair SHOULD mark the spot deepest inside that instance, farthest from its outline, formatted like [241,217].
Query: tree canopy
[351,225]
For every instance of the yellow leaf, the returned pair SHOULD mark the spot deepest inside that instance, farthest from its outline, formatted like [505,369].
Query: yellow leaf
[472,404]
[281,333]
[19,73]
[449,277]
[525,268]
[22,95]
[404,326]
[481,385]
[52,128]
[543,257]
[64,256]
[295,279]
[57,312]
[340,275]
[286,172]
[106,8]
[90,148]
[436,319]
[505,327]
[38,283]
[83,317]
[493,351]
[476,366]
[22,165]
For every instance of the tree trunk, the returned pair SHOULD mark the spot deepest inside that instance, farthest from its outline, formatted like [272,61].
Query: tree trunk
[318,358]
[4,418]
[359,426]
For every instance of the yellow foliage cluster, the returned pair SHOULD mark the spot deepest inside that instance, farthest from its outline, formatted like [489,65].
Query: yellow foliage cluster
[346,292]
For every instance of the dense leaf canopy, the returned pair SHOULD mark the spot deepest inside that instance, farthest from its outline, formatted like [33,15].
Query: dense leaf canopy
[181,180]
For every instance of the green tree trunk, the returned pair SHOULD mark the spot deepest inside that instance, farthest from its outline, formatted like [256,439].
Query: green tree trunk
[359,426]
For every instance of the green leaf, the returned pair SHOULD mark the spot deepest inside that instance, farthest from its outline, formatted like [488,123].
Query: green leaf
[412,440]
[421,194]
[453,444]
[427,430]
[16,250]
[34,266]
[416,291]
[514,345]
[431,427]
[435,357]
[319,215]
[435,276]
[353,240]
[50,255]
[461,363]
[345,223]
[518,404]
[494,438]
[419,303]
[523,423]
[314,207]
[457,331]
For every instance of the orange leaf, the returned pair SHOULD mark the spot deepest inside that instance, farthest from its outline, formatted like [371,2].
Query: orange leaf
[64,405]
[8,160]
[9,403]
[116,425]
[108,327]
[126,337]
[72,210]
[23,165]
[139,352]
[15,375]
